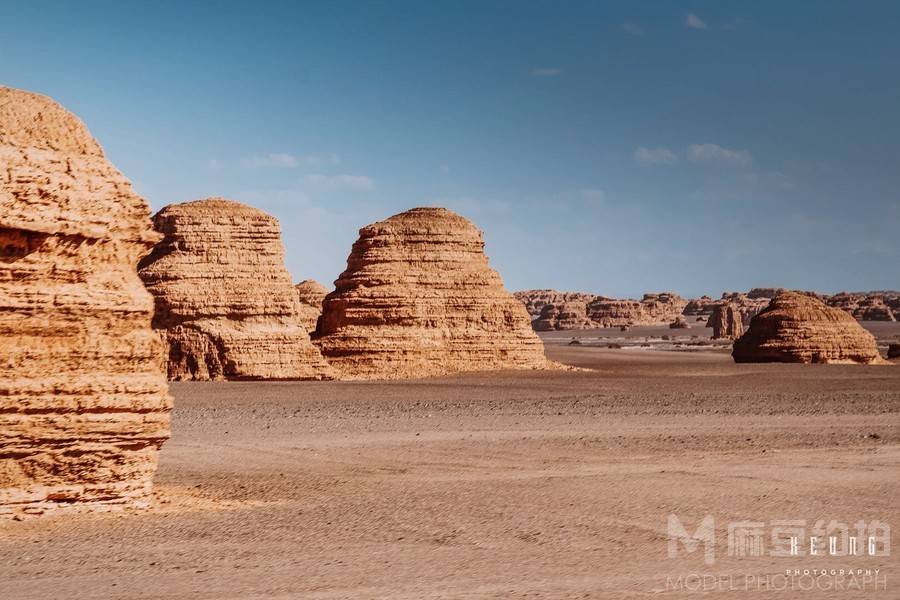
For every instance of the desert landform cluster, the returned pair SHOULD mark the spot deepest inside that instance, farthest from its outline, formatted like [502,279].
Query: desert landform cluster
[413,428]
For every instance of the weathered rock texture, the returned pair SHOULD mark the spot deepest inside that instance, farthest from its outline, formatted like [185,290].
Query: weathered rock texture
[84,406]
[418,299]
[726,322]
[224,300]
[578,310]
[310,294]
[567,315]
[536,300]
[796,327]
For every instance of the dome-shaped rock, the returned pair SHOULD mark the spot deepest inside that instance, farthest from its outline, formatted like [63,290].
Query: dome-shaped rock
[224,299]
[418,299]
[800,328]
[84,406]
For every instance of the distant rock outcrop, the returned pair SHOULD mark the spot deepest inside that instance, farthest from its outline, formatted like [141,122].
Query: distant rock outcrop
[419,299]
[796,327]
[310,294]
[726,322]
[868,306]
[536,300]
[679,323]
[84,406]
[224,300]
[699,307]
[578,310]
[565,316]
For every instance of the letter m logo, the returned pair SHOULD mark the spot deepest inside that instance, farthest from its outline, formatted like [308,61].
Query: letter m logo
[705,533]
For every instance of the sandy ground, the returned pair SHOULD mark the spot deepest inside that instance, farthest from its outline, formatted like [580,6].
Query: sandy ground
[510,485]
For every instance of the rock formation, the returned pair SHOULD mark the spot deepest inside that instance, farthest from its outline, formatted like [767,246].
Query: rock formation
[84,406]
[224,300]
[868,306]
[893,351]
[565,316]
[679,323]
[310,294]
[796,327]
[578,310]
[536,300]
[418,299]
[726,322]
[699,307]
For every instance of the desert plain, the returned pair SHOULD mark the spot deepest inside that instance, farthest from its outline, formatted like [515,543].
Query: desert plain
[516,484]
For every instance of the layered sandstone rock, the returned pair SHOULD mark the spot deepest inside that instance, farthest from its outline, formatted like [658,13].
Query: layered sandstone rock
[564,316]
[726,322]
[84,406]
[224,300]
[868,306]
[310,294]
[578,310]
[536,300]
[796,327]
[749,306]
[699,307]
[418,299]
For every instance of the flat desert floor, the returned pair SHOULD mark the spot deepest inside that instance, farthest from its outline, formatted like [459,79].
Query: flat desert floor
[505,485]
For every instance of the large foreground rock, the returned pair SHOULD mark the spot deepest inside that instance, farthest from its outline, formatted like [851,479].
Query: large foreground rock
[418,298]
[84,406]
[800,328]
[224,300]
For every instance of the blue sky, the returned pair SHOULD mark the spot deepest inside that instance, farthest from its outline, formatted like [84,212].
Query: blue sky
[615,148]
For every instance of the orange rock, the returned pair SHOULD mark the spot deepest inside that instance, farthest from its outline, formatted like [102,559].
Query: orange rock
[224,300]
[310,294]
[419,299]
[84,405]
[725,321]
[800,328]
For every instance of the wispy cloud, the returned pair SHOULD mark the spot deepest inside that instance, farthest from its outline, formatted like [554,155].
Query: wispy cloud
[279,160]
[632,28]
[593,195]
[713,153]
[213,164]
[655,156]
[546,72]
[692,21]
[343,182]
[445,168]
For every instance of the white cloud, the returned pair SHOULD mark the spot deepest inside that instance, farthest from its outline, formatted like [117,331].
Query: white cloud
[343,182]
[717,154]
[655,156]
[632,28]
[694,22]
[213,164]
[593,195]
[445,168]
[278,160]
[546,72]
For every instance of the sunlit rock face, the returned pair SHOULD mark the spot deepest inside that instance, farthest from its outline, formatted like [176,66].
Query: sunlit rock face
[800,328]
[224,300]
[418,299]
[84,406]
